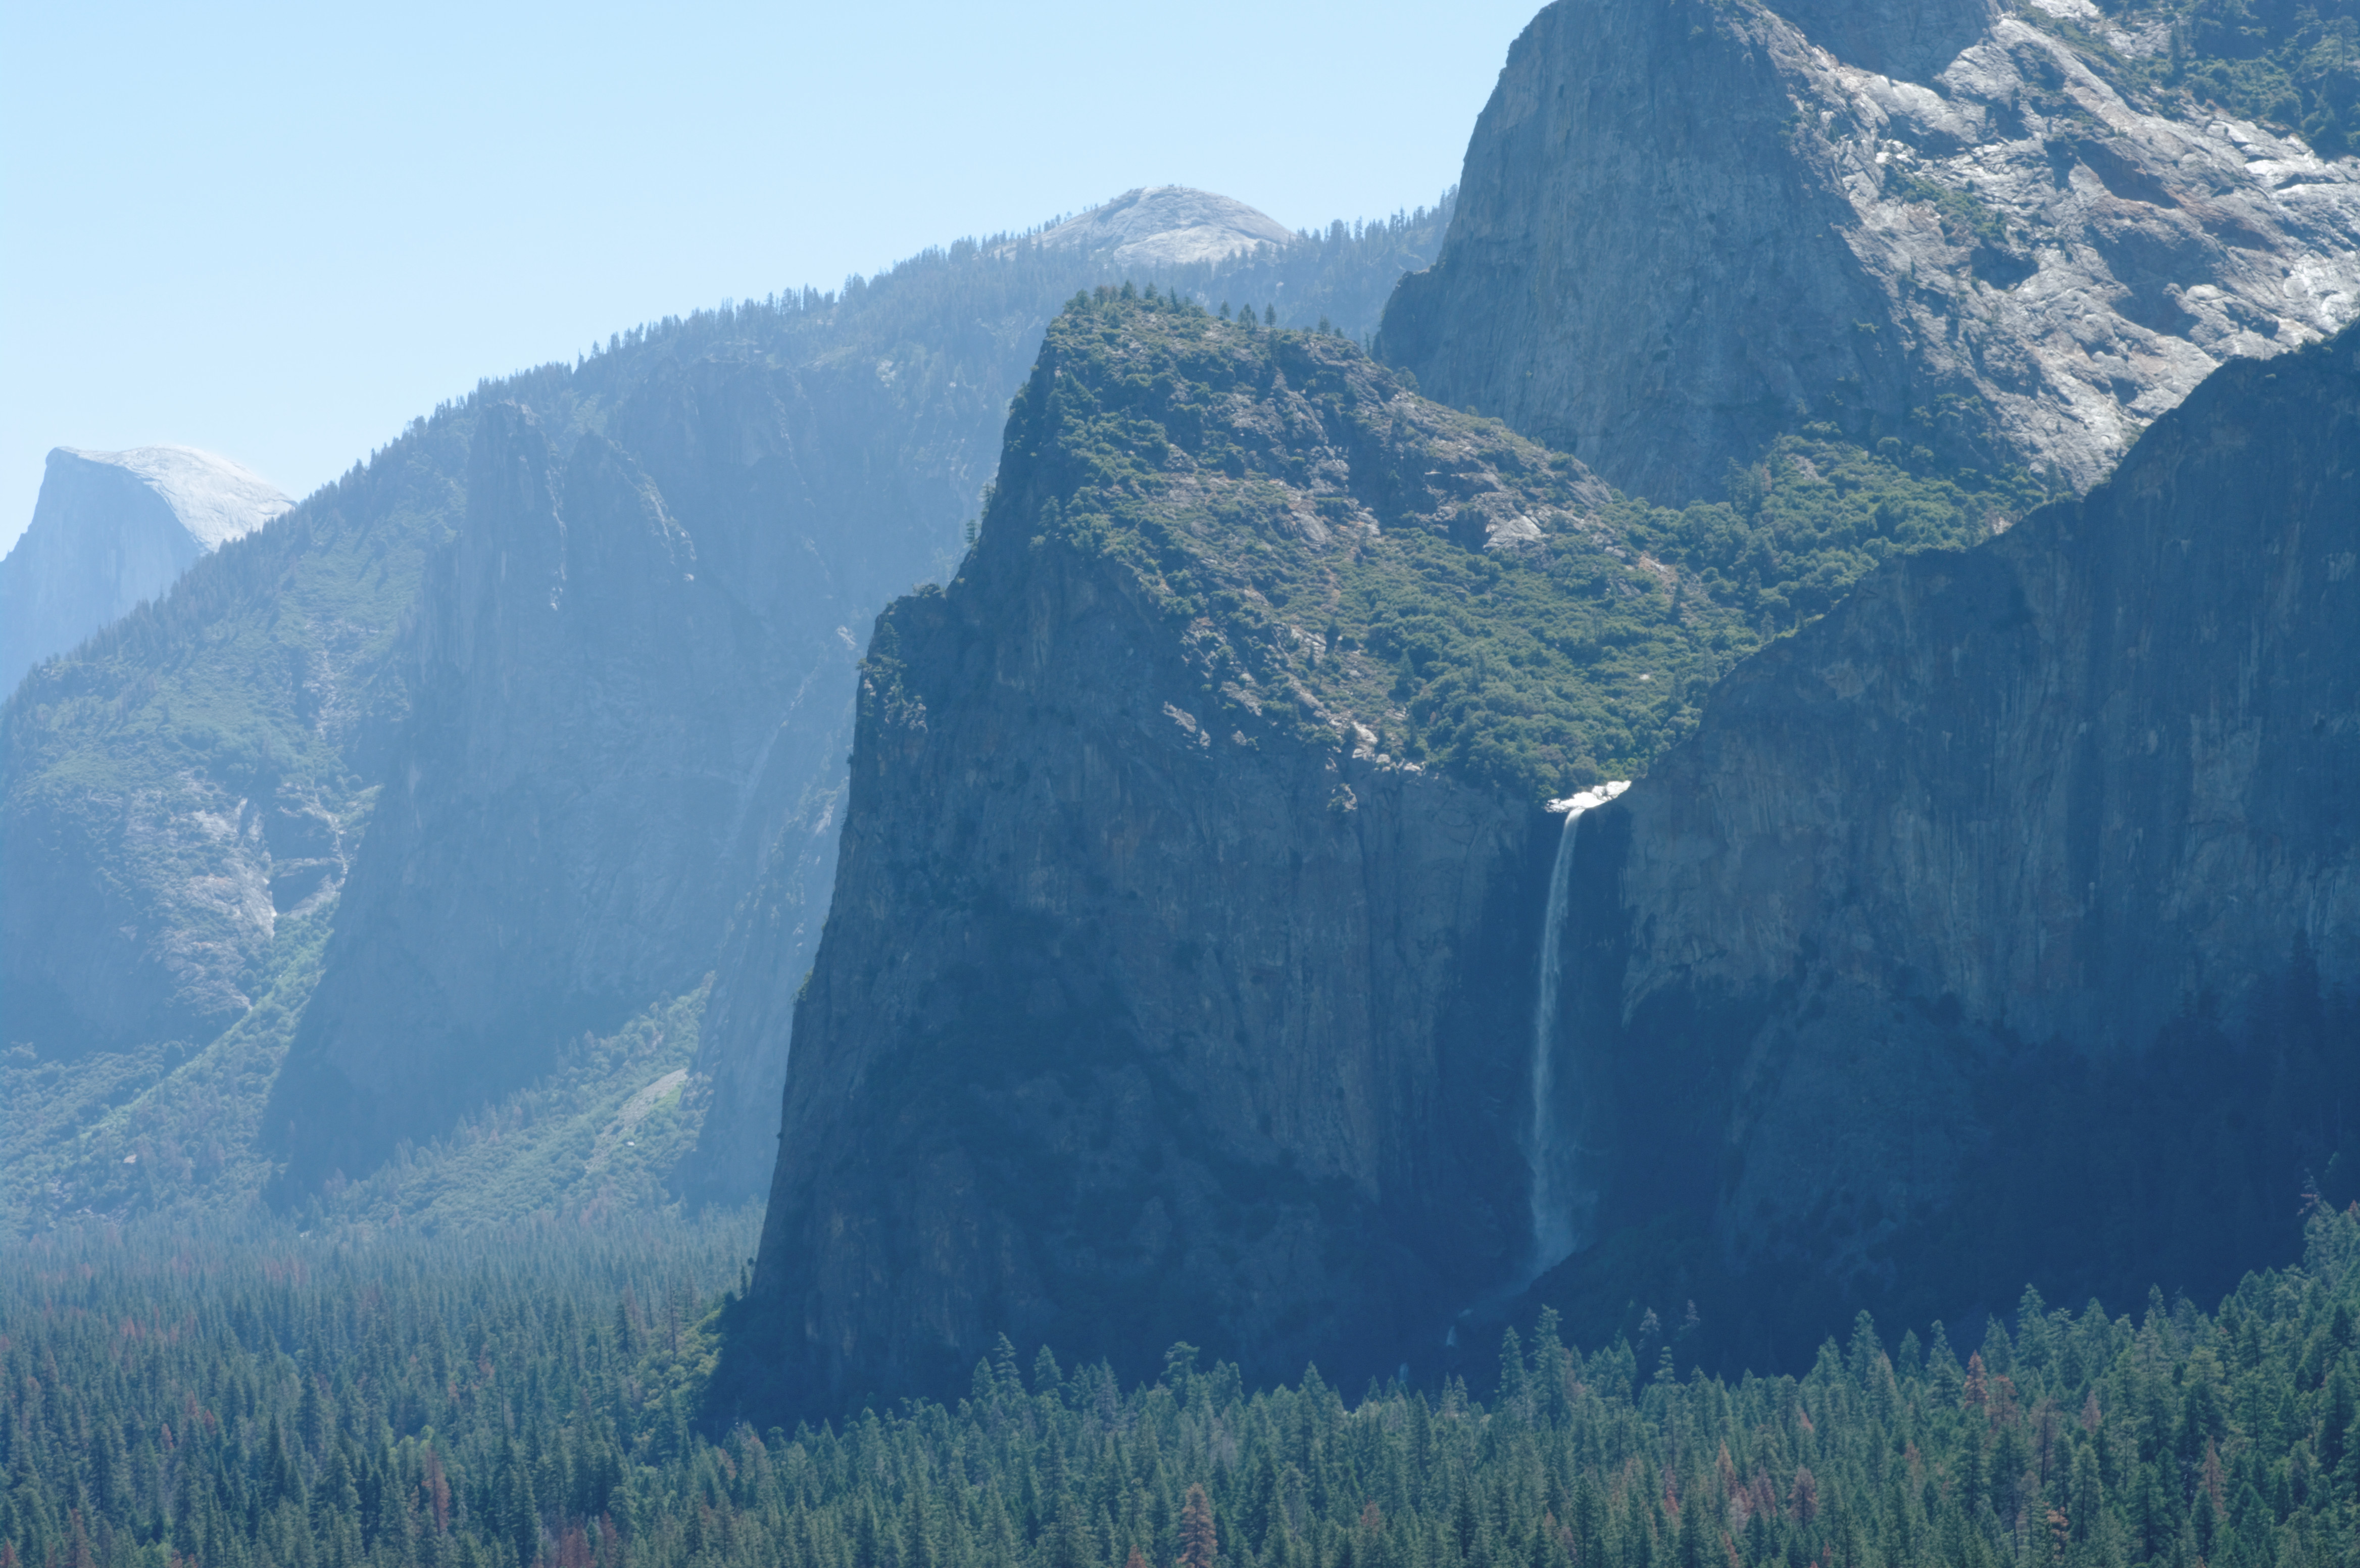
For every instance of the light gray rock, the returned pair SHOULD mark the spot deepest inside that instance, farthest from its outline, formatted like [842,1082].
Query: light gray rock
[1168,226]
[112,529]
[1683,228]
[1908,39]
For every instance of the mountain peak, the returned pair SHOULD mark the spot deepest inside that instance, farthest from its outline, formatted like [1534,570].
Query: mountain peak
[215,500]
[1169,225]
[112,529]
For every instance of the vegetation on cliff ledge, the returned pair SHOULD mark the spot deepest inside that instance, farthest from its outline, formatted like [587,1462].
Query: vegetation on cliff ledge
[1357,567]
[2293,65]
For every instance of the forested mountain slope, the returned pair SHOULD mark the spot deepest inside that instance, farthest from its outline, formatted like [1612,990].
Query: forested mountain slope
[2008,239]
[187,776]
[693,523]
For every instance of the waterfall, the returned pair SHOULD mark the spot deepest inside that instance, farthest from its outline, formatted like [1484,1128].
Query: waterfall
[1552,1140]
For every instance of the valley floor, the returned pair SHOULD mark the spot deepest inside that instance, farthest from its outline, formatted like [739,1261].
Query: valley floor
[260,1398]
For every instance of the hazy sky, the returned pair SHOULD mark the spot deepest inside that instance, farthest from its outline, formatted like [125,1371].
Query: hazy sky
[279,232]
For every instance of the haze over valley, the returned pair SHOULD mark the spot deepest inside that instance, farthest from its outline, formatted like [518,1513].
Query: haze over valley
[1518,879]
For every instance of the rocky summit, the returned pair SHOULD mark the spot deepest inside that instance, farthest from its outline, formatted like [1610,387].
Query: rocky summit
[110,530]
[1165,226]
[1686,228]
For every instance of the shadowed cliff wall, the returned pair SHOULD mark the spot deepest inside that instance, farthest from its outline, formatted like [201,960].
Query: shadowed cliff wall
[2000,925]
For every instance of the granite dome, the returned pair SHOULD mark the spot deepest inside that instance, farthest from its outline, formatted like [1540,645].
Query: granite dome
[1169,225]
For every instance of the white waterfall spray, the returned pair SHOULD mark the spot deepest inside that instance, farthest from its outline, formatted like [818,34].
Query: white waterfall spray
[1557,1201]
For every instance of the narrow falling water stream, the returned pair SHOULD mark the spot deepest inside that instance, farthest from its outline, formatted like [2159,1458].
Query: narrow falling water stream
[1552,1141]
[1552,1138]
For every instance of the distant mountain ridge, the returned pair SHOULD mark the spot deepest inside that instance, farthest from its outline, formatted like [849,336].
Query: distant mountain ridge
[357,790]
[1168,227]
[112,529]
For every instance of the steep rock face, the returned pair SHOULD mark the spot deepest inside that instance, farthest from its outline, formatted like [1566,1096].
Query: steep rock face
[2065,820]
[1909,40]
[1127,1023]
[1684,228]
[112,529]
[951,374]
[622,683]
[200,768]
[1160,996]
[632,693]
[208,766]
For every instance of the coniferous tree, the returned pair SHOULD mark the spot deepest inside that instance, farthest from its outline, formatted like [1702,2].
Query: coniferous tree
[1199,1541]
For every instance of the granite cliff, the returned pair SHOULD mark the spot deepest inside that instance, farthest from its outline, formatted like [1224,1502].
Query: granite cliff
[619,687]
[632,683]
[515,736]
[1176,983]
[1684,229]
[110,530]
[1185,975]
[183,780]
[2019,897]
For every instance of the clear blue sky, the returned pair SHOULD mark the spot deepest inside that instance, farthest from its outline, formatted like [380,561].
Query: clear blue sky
[279,232]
